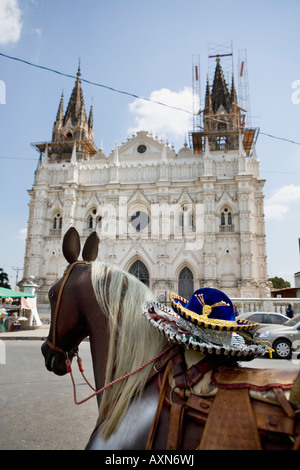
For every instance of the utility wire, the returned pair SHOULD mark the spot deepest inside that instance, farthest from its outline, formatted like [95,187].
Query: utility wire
[123,92]
[280,138]
[94,83]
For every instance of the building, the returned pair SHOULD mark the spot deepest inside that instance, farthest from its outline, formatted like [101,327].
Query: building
[178,221]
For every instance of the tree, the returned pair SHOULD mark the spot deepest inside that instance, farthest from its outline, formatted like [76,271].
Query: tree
[4,281]
[279,283]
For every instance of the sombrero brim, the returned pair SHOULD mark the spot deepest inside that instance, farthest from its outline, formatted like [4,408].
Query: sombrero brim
[178,304]
[198,338]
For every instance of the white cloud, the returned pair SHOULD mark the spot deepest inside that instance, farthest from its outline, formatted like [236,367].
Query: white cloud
[275,211]
[38,31]
[22,234]
[278,204]
[10,21]
[285,194]
[167,122]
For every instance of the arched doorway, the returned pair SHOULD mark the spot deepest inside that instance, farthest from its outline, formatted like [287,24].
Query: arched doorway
[186,283]
[139,270]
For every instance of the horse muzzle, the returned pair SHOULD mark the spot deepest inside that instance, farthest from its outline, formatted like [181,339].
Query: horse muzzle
[54,360]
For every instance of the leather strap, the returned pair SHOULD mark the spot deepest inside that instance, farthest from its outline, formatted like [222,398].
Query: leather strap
[162,361]
[225,430]
[179,370]
[162,393]
[199,404]
[272,419]
[286,406]
[197,371]
[176,426]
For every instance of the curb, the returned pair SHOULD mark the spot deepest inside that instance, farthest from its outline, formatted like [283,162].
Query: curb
[38,334]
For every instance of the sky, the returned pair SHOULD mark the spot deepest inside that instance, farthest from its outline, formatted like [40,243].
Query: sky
[146,49]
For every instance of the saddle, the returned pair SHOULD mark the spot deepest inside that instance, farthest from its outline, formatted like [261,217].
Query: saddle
[236,408]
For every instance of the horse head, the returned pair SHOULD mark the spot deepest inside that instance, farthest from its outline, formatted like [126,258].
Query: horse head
[67,299]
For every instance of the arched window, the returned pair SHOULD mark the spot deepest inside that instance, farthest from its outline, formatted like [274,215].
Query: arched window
[222,126]
[139,270]
[222,218]
[226,221]
[186,219]
[57,222]
[91,220]
[186,283]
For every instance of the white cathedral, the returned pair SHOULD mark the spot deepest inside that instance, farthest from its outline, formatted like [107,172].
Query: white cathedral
[178,221]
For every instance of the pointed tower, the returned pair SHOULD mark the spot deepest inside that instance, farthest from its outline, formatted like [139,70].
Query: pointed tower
[221,115]
[75,114]
[220,95]
[72,127]
[234,250]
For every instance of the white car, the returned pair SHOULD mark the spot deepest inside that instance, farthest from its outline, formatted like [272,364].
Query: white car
[263,318]
[285,339]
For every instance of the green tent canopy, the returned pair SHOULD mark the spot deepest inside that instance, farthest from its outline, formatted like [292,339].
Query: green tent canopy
[4,293]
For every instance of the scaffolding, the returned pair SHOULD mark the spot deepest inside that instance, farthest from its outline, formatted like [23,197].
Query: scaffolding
[57,151]
[225,52]
[197,115]
[223,130]
[243,85]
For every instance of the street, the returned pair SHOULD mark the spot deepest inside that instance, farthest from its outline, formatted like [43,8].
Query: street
[37,411]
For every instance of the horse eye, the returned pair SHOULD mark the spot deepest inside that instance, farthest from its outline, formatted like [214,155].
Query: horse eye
[50,294]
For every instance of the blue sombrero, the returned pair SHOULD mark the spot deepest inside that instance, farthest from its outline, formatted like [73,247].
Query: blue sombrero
[205,323]
[209,308]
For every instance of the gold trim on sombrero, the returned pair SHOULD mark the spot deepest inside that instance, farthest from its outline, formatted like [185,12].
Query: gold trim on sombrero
[204,321]
[207,309]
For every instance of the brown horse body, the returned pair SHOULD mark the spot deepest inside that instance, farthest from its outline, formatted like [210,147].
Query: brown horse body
[166,412]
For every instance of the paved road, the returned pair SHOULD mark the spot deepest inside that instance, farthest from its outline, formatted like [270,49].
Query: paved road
[36,407]
[37,411]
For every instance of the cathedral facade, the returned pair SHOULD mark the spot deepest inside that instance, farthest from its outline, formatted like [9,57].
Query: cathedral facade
[178,221]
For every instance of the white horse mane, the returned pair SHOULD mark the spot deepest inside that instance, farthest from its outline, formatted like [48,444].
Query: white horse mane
[133,341]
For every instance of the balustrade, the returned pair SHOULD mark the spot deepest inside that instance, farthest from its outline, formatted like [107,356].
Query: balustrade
[266,304]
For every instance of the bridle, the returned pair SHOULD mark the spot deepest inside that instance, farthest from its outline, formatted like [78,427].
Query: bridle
[52,344]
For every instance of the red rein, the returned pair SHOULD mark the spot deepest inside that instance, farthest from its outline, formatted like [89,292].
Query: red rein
[96,392]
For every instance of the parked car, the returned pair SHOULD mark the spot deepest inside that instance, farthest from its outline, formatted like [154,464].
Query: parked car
[263,318]
[284,338]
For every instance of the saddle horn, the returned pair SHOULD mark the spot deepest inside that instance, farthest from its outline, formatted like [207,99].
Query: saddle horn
[90,249]
[71,245]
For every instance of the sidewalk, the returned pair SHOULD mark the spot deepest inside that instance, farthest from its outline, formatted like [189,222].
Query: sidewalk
[39,333]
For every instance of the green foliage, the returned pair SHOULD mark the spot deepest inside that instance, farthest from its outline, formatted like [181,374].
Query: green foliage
[4,279]
[279,283]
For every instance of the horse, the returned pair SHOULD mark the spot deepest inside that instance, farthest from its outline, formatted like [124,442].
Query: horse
[140,406]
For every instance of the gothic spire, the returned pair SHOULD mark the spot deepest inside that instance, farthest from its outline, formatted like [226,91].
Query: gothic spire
[91,118]
[207,96]
[76,108]
[233,96]
[60,112]
[220,95]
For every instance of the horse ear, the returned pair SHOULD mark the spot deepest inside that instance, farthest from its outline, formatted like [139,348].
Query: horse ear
[71,245]
[90,249]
